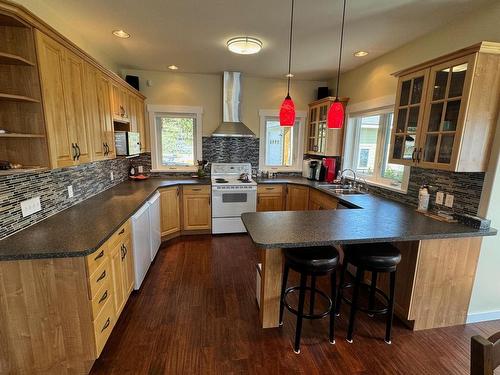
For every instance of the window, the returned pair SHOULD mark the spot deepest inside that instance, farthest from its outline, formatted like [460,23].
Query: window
[368,138]
[176,137]
[280,146]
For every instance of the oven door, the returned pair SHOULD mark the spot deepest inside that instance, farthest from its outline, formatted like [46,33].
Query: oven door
[232,203]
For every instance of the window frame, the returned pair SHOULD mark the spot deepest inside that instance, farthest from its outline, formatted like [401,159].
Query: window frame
[154,111]
[298,154]
[351,144]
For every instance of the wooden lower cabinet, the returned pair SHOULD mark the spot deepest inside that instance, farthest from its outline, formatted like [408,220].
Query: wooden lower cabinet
[297,198]
[321,201]
[270,197]
[196,208]
[170,211]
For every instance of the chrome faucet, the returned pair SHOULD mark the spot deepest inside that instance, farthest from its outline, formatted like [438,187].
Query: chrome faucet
[342,180]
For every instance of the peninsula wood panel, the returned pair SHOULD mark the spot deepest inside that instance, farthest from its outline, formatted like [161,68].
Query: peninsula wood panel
[270,290]
[45,317]
[297,198]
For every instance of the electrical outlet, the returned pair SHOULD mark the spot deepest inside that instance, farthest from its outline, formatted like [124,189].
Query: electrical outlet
[439,197]
[70,191]
[140,169]
[111,176]
[30,206]
[449,200]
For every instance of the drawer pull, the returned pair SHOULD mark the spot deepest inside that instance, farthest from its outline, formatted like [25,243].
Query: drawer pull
[196,189]
[104,296]
[100,255]
[103,275]
[122,231]
[269,188]
[106,325]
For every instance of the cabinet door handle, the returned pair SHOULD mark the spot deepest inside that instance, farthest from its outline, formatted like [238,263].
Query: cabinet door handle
[122,231]
[125,250]
[269,188]
[78,149]
[413,155]
[177,191]
[106,325]
[104,296]
[418,154]
[73,151]
[196,189]
[104,146]
[100,255]
[103,275]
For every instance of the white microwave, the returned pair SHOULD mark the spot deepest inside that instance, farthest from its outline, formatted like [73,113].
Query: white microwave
[127,143]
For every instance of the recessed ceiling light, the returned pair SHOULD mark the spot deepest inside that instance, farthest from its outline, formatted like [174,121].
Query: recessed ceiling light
[173,67]
[289,75]
[121,34]
[244,45]
[360,53]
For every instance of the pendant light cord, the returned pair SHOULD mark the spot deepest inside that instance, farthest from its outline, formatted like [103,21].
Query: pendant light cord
[340,51]
[290,49]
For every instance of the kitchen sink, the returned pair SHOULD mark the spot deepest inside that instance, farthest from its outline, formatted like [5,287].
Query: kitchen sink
[341,190]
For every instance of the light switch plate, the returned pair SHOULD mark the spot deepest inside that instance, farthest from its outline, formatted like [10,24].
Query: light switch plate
[30,206]
[140,169]
[111,176]
[439,197]
[449,200]
[70,191]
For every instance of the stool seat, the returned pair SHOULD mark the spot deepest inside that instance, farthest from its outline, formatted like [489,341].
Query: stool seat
[375,256]
[313,259]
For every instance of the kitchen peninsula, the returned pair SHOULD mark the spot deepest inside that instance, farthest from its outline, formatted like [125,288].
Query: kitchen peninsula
[435,277]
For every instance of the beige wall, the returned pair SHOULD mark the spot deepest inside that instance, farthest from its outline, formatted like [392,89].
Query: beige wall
[205,90]
[58,22]
[373,81]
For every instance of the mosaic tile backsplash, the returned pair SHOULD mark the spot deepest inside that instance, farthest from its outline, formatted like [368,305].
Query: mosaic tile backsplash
[231,150]
[51,186]
[465,187]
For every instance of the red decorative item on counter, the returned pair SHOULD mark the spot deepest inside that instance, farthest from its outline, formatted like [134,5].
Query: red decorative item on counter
[330,164]
[287,112]
[336,115]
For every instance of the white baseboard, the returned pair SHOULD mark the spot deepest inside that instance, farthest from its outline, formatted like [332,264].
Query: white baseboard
[483,317]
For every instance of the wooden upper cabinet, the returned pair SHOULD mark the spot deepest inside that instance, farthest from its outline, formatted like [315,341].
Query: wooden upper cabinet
[121,103]
[170,210]
[321,140]
[297,198]
[105,114]
[446,111]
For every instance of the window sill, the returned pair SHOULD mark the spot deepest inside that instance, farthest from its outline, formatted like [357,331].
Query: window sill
[387,186]
[174,170]
[279,169]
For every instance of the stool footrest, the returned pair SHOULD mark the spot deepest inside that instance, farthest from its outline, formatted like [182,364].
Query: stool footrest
[378,291]
[308,316]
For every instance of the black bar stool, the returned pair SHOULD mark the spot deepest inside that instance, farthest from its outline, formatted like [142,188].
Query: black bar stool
[310,261]
[375,258]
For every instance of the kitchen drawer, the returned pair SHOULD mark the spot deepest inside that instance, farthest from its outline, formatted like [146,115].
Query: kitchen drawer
[95,259]
[100,276]
[102,296]
[196,189]
[121,235]
[269,189]
[103,325]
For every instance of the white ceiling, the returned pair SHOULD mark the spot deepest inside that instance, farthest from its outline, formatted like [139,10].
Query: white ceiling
[192,33]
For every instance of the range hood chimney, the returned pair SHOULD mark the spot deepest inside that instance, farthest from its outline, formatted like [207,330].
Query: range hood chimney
[231,125]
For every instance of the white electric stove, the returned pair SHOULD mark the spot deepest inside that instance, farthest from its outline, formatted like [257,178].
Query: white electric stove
[233,193]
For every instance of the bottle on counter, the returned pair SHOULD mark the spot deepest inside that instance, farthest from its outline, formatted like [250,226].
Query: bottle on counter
[423,198]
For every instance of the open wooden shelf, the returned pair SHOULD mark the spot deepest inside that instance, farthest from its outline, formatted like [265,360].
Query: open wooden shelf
[21,135]
[10,59]
[7,20]
[17,98]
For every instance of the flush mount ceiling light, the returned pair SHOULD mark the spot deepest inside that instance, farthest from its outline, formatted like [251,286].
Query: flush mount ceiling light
[360,53]
[173,67]
[287,110]
[121,34]
[244,45]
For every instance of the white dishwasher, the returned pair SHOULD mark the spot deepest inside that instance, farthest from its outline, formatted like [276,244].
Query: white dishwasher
[142,244]
[155,225]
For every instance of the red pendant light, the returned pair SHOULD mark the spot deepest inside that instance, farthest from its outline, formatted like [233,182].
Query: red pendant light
[287,110]
[335,118]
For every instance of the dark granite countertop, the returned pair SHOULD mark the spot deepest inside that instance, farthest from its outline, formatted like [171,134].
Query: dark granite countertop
[377,220]
[83,228]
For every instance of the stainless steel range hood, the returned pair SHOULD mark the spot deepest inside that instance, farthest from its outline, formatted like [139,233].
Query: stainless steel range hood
[231,125]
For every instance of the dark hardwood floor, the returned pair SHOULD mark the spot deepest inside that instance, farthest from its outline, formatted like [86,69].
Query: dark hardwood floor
[196,314]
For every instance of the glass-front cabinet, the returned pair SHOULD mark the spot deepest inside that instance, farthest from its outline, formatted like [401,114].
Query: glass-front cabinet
[321,140]
[445,112]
